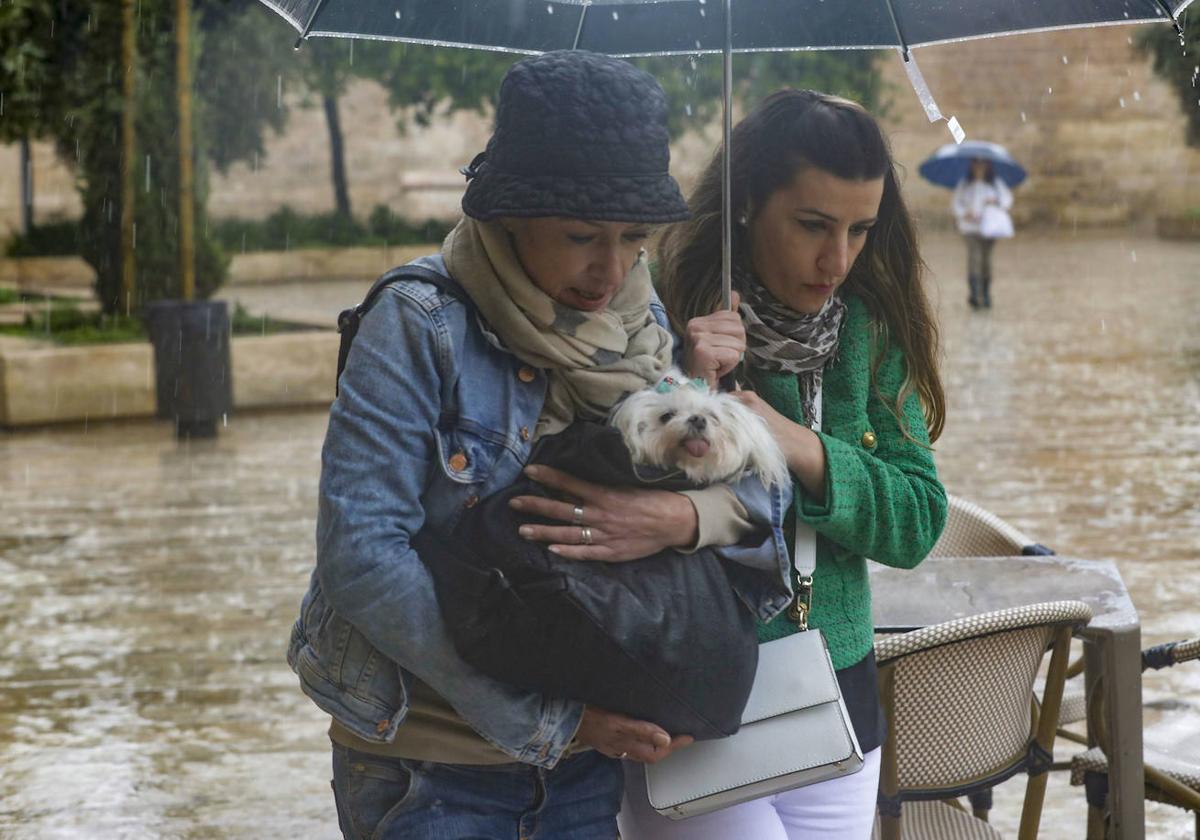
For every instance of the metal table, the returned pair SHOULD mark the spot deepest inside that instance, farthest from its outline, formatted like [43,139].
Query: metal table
[943,588]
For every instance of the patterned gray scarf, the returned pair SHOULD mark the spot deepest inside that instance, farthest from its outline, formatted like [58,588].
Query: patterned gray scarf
[780,339]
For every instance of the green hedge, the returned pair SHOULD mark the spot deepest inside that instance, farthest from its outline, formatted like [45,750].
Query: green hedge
[281,231]
[286,229]
[52,239]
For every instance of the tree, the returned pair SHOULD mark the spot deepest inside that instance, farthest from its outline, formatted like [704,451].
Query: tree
[76,97]
[1179,64]
[30,102]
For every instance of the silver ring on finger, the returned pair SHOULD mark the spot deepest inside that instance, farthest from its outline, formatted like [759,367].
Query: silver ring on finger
[585,535]
[577,515]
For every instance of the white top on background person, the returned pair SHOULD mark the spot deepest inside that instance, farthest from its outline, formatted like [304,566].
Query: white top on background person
[976,192]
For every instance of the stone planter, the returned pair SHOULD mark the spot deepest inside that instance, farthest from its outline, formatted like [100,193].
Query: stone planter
[41,384]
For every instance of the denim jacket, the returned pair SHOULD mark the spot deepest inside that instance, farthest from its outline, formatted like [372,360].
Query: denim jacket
[433,415]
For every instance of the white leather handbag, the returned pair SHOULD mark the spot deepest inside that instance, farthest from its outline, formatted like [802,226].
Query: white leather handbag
[795,729]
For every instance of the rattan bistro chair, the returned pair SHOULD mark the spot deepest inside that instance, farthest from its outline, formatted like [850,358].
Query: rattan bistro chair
[958,700]
[1170,749]
[972,531]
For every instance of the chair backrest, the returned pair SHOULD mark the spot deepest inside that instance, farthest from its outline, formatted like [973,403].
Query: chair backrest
[958,698]
[972,531]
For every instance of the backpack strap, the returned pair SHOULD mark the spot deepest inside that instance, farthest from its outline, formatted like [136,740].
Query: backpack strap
[349,319]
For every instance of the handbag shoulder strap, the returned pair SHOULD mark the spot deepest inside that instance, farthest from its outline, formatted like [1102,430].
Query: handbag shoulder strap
[349,319]
[804,550]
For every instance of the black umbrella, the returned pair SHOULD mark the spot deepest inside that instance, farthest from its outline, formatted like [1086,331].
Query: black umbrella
[630,28]
[665,27]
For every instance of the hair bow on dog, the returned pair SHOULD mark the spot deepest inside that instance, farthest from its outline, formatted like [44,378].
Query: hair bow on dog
[669,383]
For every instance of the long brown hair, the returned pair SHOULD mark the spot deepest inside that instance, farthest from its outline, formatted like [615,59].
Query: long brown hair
[789,131]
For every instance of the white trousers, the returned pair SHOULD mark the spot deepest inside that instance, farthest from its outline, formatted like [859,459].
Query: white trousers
[839,809]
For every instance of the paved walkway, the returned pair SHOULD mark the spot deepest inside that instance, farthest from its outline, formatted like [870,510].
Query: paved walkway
[150,587]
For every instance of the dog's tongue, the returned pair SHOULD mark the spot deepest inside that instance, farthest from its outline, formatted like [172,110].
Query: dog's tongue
[696,447]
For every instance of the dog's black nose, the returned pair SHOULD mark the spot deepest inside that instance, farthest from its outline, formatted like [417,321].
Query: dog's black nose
[697,423]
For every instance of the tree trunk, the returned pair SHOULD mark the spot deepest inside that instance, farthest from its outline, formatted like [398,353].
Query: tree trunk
[26,187]
[337,156]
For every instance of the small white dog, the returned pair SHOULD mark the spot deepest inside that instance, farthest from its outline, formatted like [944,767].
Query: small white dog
[711,437]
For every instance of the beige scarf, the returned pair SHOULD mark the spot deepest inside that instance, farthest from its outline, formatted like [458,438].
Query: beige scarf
[593,358]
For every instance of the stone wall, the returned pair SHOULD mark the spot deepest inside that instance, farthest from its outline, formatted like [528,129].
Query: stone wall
[1102,136]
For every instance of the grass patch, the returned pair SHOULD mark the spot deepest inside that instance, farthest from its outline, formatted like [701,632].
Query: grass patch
[64,324]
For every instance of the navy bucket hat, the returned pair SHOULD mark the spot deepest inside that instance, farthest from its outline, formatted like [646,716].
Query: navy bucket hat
[580,135]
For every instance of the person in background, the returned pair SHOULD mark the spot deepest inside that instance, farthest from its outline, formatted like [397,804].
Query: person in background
[542,313]
[973,195]
[826,261]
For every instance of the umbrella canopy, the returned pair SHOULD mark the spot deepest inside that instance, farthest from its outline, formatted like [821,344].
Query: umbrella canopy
[951,163]
[664,27]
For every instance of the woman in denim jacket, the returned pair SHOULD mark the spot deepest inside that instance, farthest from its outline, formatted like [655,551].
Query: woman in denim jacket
[542,312]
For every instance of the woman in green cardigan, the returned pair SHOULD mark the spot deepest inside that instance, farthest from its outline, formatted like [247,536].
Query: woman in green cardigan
[829,276]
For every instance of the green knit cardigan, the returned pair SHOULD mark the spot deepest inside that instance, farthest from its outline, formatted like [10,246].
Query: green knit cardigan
[882,500]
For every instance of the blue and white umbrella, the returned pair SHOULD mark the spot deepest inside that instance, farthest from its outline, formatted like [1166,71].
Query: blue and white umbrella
[952,163]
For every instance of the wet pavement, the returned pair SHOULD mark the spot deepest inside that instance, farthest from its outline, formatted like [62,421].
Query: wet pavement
[150,586]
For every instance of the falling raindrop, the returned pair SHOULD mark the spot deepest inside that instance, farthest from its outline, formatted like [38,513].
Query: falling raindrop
[687,109]
[1103,326]
[703,13]
[616,15]
[351,52]
[549,9]
[135,236]
[1137,96]
[1064,60]
[279,91]
[147,173]
[225,420]
[1022,116]
[398,15]
[1122,101]
[1133,255]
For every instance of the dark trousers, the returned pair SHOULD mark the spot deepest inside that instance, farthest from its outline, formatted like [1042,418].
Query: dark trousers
[979,270]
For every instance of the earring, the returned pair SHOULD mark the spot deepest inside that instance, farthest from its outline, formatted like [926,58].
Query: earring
[742,220]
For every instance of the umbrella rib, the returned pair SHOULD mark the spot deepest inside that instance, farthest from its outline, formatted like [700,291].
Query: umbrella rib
[579,29]
[1174,21]
[899,31]
[311,20]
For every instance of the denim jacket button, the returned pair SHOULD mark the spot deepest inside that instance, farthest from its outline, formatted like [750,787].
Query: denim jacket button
[471,501]
[526,374]
[458,461]
[524,433]
[382,726]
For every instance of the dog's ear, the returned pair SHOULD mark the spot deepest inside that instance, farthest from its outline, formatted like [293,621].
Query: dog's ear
[628,419]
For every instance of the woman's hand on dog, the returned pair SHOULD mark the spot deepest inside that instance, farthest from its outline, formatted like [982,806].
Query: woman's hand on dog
[803,449]
[618,736]
[714,344]
[624,523]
